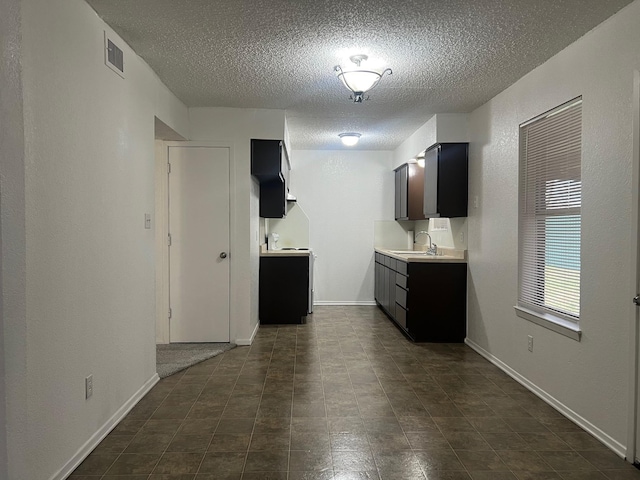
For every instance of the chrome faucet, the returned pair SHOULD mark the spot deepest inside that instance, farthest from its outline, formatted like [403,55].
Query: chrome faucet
[433,248]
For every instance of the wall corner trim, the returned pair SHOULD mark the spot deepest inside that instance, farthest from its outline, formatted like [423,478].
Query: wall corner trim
[244,342]
[103,431]
[617,447]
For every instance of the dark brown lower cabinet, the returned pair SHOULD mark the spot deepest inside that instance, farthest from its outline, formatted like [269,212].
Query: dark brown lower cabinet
[284,289]
[426,300]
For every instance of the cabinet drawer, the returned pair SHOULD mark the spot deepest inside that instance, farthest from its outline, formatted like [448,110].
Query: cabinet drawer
[401,296]
[401,267]
[390,262]
[401,281]
[379,258]
[401,316]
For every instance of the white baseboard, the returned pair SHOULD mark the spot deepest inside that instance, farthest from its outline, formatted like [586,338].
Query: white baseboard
[242,342]
[344,303]
[103,431]
[582,422]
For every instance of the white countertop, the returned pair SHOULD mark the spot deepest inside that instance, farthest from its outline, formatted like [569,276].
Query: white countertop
[449,255]
[283,253]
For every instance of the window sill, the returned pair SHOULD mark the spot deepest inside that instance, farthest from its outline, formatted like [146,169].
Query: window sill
[558,325]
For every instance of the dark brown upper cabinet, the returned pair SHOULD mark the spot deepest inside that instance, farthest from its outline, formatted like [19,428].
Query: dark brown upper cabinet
[270,165]
[409,192]
[446,180]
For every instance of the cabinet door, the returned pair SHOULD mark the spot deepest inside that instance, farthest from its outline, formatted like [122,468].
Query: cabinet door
[398,179]
[270,165]
[401,317]
[378,281]
[453,180]
[273,202]
[286,167]
[438,313]
[402,193]
[431,182]
[415,192]
[392,293]
[446,180]
[266,163]
[284,289]
[385,288]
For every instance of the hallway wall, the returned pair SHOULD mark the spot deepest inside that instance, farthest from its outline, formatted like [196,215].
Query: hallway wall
[78,278]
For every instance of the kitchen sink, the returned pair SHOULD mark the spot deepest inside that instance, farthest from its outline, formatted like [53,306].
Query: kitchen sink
[413,253]
[409,252]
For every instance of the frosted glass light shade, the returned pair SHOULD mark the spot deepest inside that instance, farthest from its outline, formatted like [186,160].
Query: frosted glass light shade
[359,80]
[349,139]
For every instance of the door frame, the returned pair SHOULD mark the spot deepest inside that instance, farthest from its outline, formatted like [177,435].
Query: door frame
[632,454]
[162,232]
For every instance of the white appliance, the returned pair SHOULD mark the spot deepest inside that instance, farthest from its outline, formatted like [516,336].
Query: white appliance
[272,241]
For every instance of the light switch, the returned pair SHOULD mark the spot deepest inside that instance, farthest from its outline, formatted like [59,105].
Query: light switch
[147,221]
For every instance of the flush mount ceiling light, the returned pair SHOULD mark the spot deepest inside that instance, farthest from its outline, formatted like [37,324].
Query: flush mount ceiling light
[349,139]
[359,80]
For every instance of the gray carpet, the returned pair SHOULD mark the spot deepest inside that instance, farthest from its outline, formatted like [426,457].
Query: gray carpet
[173,357]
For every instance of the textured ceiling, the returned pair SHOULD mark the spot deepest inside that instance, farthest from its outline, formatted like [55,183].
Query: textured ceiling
[446,55]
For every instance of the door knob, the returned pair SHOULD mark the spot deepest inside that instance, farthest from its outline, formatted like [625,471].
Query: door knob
[223,255]
[636,300]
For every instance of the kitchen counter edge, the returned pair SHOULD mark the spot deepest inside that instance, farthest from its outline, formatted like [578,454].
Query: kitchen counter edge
[285,253]
[459,256]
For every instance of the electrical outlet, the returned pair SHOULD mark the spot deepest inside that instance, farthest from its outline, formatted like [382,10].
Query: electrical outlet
[88,386]
[461,237]
[147,221]
[530,338]
[476,201]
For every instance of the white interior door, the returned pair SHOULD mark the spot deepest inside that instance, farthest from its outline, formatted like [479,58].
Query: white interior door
[633,438]
[199,244]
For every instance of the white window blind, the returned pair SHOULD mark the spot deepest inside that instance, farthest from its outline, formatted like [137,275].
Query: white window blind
[549,212]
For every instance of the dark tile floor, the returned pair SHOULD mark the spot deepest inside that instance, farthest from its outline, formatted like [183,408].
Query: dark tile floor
[344,397]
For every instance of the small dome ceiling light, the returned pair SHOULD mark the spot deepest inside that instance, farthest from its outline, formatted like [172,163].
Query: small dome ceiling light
[359,80]
[349,139]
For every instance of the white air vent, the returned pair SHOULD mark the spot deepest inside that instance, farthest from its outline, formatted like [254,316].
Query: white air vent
[113,56]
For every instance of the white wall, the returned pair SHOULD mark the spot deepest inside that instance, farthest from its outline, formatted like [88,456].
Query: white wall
[12,240]
[73,214]
[293,230]
[236,127]
[422,138]
[589,377]
[343,193]
[441,128]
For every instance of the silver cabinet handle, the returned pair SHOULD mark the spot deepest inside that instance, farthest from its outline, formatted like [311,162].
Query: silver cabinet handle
[223,255]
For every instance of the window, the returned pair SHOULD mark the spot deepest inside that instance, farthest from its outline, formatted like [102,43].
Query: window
[550,197]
